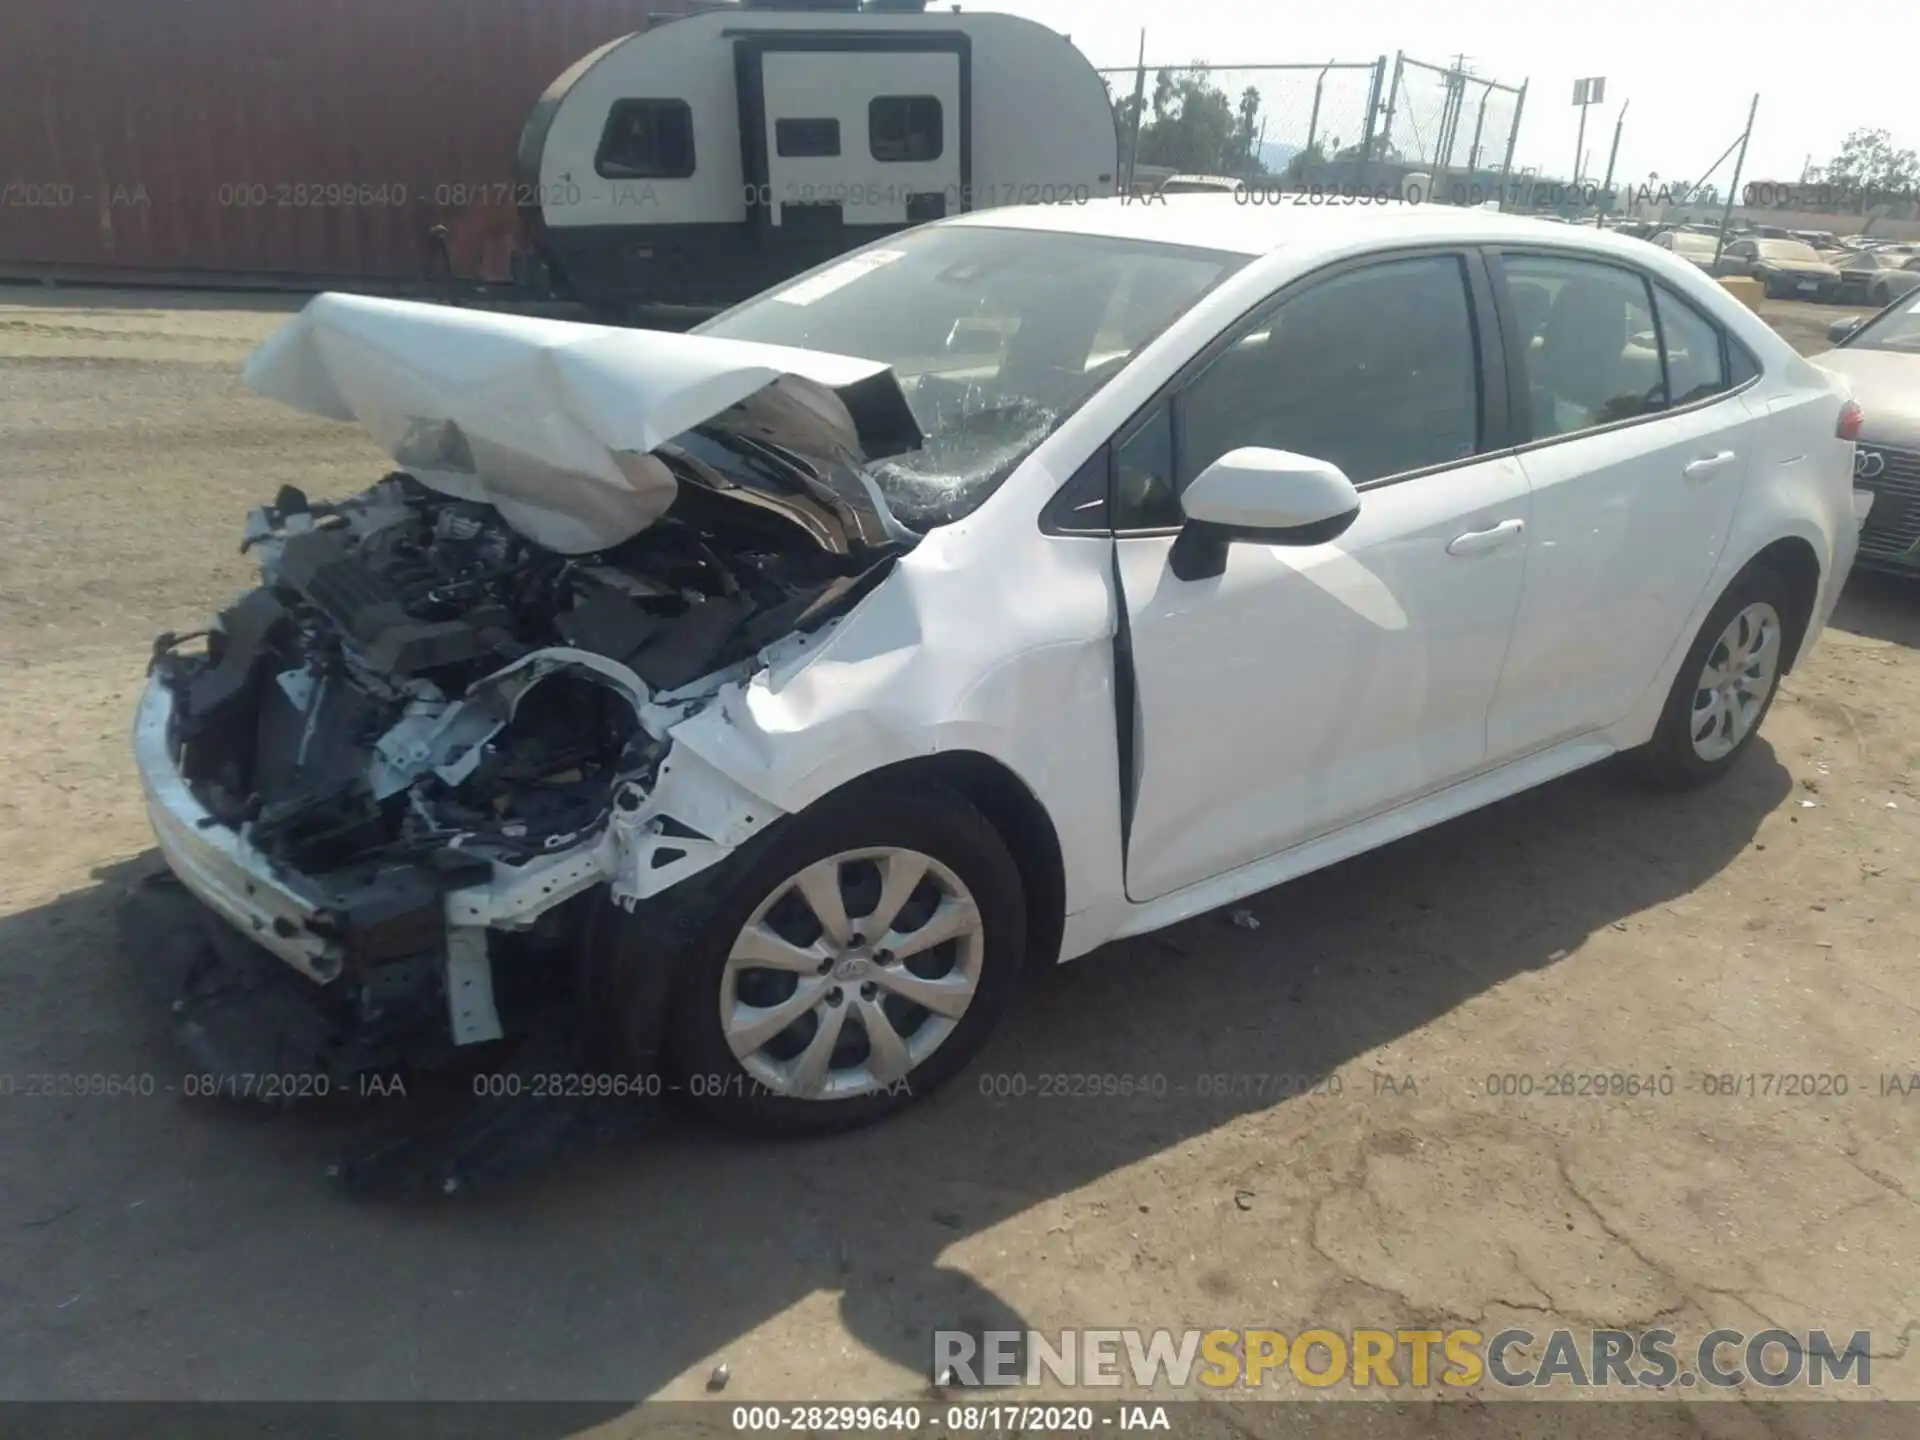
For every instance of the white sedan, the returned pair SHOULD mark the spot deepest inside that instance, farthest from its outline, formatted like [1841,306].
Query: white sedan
[766,699]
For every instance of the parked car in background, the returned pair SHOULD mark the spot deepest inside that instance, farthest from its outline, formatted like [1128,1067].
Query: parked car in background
[1690,246]
[1877,277]
[1879,357]
[1786,269]
[1199,185]
[1822,240]
[766,698]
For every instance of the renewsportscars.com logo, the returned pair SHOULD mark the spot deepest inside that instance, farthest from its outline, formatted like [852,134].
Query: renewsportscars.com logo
[1364,1359]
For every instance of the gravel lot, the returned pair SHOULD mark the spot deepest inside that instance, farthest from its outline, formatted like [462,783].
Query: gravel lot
[161,1247]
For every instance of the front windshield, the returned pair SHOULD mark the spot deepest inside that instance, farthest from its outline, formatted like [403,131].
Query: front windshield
[996,335]
[1788,250]
[1895,328]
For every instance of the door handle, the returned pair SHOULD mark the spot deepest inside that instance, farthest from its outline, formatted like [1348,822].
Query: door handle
[1478,542]
[1707,465]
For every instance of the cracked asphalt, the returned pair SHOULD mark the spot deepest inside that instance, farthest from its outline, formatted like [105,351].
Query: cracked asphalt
[1736,969]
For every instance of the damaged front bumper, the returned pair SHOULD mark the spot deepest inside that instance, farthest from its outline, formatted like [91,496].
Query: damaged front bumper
[421,938]
[216,863]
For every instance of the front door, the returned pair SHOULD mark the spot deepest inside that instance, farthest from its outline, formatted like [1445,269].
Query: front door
[1308,687]
[862,137]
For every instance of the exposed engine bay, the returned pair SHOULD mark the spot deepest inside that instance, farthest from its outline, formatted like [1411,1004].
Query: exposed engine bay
[436,733]
[323,714]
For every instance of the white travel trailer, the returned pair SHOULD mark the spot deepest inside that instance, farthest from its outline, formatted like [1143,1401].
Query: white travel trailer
[708,157]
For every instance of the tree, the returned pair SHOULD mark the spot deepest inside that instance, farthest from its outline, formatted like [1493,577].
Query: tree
[1869,165]
[1247,132]
[1189,124]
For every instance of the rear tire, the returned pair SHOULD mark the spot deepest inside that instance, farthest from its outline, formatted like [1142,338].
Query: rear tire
[857,1048]
[1725,685]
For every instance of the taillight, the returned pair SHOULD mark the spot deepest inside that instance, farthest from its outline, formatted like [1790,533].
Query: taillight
[1851,418]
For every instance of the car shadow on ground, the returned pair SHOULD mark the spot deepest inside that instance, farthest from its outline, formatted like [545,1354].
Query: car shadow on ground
[1881,606]
[608,1275]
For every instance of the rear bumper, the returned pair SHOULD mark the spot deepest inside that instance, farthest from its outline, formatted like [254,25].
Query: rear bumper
[216,863]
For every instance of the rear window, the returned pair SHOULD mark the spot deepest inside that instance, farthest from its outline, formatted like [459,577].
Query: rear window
[1589,346]
[1692,348]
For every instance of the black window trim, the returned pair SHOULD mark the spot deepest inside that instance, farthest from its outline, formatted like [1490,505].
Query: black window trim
[1496,436]
[606,130]
[1524,443]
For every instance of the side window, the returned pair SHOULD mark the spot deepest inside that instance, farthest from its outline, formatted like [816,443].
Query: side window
[1376,370]
[646,140]
[1692,342]
[905,127]
[1143,491]
[1589,350]
[795,138]
[1741,366]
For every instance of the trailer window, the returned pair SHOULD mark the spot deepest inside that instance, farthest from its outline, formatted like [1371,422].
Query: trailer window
[905,127]
[799,138]
[646,140]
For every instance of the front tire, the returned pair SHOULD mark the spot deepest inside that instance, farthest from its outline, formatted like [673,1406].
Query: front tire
[1725,685]
[856,962]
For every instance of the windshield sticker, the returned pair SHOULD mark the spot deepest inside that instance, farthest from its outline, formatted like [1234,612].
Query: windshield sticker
[836,276]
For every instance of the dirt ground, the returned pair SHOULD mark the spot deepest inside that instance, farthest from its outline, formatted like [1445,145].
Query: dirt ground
[157,1247]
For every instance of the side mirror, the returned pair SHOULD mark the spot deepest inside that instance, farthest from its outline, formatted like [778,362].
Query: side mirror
[1842,328]
[1264,497]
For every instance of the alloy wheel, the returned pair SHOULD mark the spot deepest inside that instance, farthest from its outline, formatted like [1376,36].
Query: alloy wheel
[1739,676]
[851,972]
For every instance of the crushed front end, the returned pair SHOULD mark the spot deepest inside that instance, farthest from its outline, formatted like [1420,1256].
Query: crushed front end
[410,762]
[401,784]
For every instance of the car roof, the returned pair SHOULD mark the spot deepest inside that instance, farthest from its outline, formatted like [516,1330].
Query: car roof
[1239,225]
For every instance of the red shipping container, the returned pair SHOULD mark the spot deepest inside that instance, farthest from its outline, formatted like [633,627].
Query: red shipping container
[235,140]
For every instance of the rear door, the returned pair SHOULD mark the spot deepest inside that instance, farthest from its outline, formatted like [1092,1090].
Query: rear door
[1640,444]
[873,136]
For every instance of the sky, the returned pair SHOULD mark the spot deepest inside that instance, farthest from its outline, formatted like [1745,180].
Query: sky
[1687,72]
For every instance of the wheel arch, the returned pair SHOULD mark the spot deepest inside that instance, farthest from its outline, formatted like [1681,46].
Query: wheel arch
[1015,813]
[1794,560]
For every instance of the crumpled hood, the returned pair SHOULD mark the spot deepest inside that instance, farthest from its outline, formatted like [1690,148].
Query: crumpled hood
[553,422]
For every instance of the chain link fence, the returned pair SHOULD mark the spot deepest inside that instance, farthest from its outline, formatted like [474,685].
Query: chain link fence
[1246,122]
[1447,120]
[1337,125]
